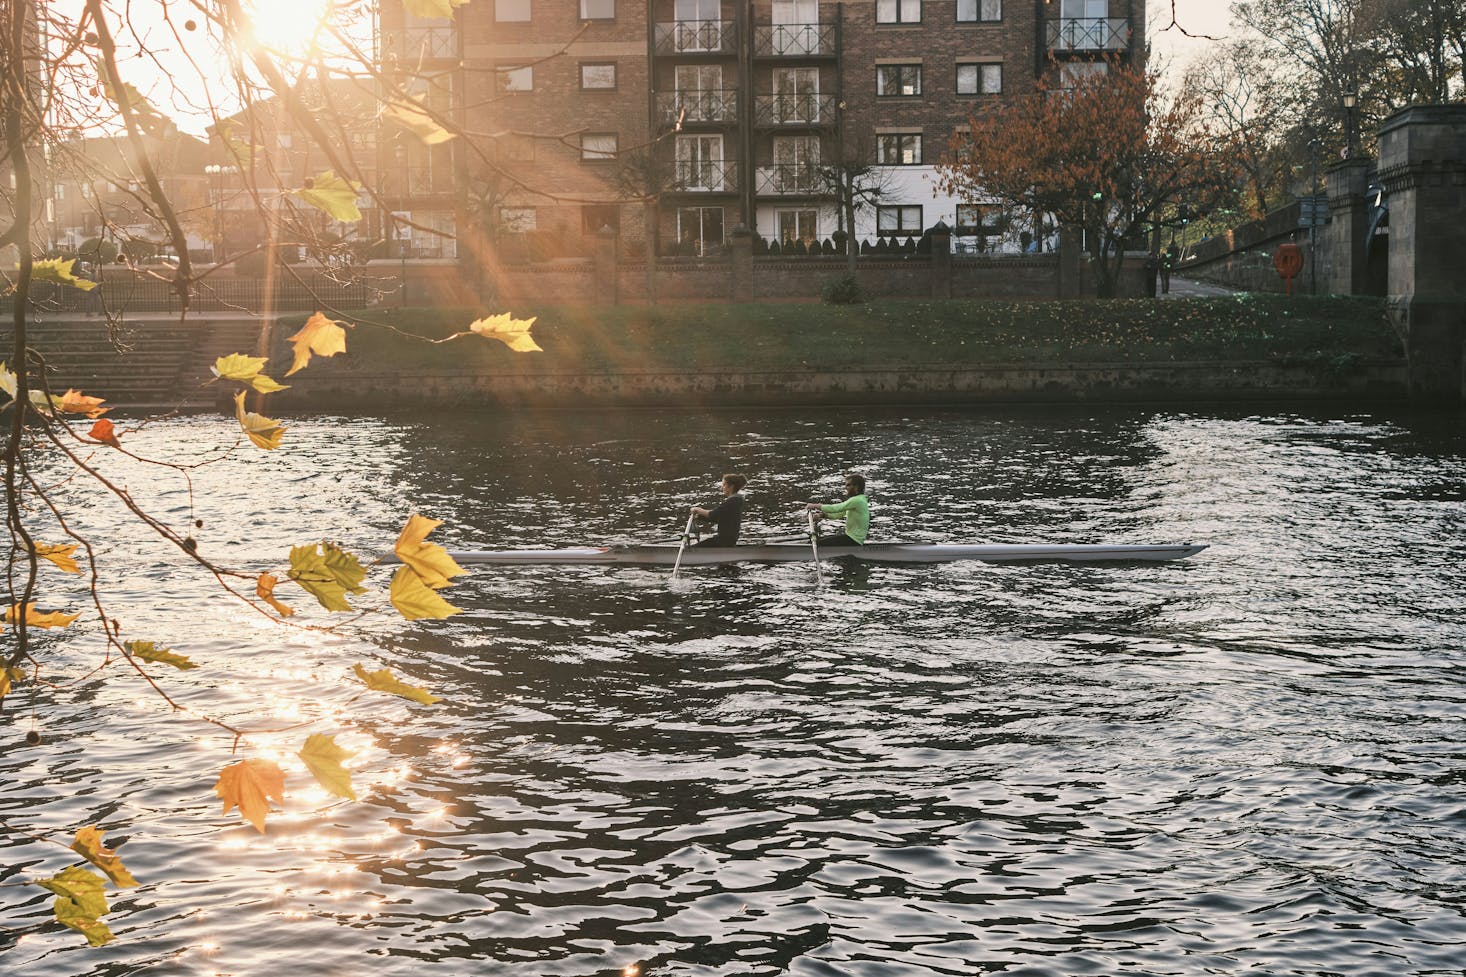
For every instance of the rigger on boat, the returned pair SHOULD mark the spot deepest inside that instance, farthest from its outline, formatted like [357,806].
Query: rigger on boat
[667,554]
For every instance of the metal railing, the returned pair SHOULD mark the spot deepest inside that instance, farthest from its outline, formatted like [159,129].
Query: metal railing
[710,105]
[1088,34]
[793,110]
[424,42]
[789,178]
[240,295]
[705,176]
[794,40]
[696,36]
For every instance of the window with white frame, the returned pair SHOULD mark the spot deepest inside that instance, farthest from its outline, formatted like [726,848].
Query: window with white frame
[597,9]
[898,79]
[979,11]
[598,146]
[979,79]
[898,148]
[507,11]
[898,11]
[517,220]
[899,219]
[969,219]
[598,75]
[510,79]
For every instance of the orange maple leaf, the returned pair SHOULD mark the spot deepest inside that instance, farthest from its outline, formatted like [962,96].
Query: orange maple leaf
[76,402]
[319,335]
[38,619]
[250,785]
[265,590]
[104,432]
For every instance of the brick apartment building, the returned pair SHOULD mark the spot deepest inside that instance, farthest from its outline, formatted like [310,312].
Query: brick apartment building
[690,117]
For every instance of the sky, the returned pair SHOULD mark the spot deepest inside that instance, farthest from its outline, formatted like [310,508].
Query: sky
[1198,17]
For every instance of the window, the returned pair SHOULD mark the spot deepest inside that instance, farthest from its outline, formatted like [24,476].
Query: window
[1072,73]
[598,146]
[511,10]
[899,219]
[899,149]
[517,220]
[509,79]
[700,162]
[699,229]
[593,217]
[979,10]
[597,9]
[979,79]
[969,219]
[898,11]
[798,226]
[598,75]
[898,79]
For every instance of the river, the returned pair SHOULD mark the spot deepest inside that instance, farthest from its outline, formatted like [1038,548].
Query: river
[1251,761]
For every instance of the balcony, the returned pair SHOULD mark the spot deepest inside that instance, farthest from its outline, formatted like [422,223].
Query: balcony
[795,41]
[423,43]
[696,37]
[793,111]
[705,176]
[706,107]
[1083,34]
[789,179]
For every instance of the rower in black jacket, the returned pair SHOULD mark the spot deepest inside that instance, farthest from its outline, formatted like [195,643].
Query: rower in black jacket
[727,515]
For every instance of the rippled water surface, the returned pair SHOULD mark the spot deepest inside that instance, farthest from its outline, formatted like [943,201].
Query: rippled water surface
[1248,762]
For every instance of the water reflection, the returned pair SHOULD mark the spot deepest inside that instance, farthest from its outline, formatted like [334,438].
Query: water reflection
[1238,763]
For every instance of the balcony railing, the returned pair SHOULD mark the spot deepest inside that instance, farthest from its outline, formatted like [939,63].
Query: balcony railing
[705,176]
[422,180]
[424,42]
[696,36]
[1088,34]
[782,179]
[704,106]
[810,109]
[794,40]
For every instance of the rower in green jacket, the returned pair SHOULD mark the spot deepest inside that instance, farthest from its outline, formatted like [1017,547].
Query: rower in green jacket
[855,510]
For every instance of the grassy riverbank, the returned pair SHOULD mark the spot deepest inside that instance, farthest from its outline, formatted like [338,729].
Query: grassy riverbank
[895,334]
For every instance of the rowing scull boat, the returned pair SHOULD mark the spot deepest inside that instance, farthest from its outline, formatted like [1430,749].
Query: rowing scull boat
[666,553]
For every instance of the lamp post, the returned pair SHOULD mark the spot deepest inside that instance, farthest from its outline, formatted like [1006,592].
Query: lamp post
[1313,146]
[216,185]
[1351,102]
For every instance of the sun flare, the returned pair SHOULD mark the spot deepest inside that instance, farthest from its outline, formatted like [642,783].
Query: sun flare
[288,26]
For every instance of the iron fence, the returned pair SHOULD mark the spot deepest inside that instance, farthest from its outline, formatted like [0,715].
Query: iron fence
[222,295]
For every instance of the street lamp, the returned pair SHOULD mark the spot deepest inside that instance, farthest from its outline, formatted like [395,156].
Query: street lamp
[1351,102]
[216,180]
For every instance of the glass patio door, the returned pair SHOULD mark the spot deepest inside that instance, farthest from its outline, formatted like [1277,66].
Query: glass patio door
[796,94]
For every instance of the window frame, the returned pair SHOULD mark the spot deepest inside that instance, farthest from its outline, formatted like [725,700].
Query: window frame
[977,17]
[584,16]
[979,89]
[528,6]
[504,70]
[505,221]
[615,76]
[901,67]
[614,210]
[596,155]
[881,155]
[900,6]
[901,211]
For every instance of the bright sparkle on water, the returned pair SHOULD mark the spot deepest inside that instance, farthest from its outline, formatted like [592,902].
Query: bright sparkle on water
[1242,763]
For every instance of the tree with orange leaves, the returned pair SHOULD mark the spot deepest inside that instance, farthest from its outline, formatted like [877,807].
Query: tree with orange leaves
[1109,155]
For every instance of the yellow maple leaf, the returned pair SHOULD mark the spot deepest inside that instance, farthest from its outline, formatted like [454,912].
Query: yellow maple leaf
[328,573]
[508,330]
[7,676]
[431,561]
[149,652]
[80,902]
[333,194]
[265,590]
[88,845]
[59,270]
[8,381]
[433,8]
[59,554]
[319,335]
[415,118]
[263,431]
[414,599]
[323,757]
[34,619]
[250,785]
[237,366]
[76,402]
[382,680]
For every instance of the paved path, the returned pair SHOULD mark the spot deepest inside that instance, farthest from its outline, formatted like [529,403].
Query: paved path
[1187,288]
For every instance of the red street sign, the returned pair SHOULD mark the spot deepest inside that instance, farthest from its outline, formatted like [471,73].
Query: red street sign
[1288,260]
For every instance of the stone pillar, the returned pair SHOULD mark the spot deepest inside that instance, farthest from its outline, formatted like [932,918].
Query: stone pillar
[1071,261]
[1341,241]
[1422,165]
[606,272]
[740,268]
[941,268]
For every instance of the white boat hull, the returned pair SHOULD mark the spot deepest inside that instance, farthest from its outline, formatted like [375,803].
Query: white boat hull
[658,554]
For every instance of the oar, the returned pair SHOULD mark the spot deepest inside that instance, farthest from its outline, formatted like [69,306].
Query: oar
[686,532]
[814,545]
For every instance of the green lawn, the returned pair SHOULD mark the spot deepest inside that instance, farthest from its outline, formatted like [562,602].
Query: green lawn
[685,336]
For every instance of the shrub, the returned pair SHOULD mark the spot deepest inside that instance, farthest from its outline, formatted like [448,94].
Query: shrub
[844,290]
